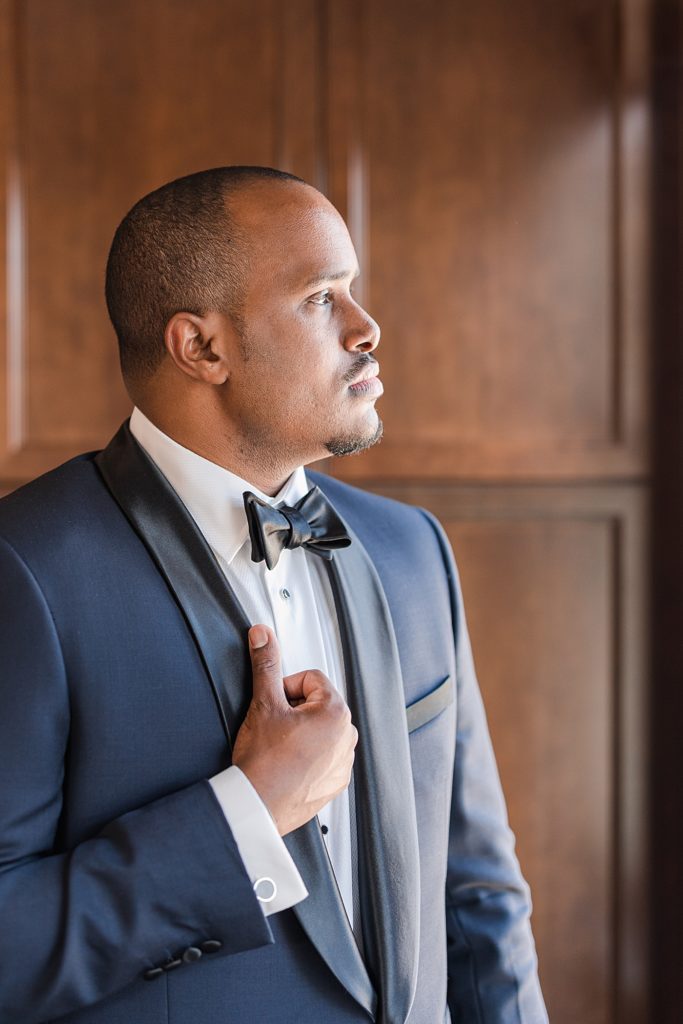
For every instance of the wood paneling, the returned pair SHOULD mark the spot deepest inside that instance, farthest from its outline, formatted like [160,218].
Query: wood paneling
[547,585]
[554,581]
[157,90]
[497,165]
[492,163]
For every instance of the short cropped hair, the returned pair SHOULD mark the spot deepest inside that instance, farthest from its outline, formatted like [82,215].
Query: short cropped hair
[177,250]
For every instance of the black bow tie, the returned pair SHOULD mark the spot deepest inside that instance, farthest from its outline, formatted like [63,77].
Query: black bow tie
[311,523]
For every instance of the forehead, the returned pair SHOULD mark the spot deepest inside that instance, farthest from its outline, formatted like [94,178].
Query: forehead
[292,233]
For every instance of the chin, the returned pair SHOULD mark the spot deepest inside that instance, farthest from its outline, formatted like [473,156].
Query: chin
[352,444]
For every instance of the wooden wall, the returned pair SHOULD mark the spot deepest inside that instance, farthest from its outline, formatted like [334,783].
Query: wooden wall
[492,161]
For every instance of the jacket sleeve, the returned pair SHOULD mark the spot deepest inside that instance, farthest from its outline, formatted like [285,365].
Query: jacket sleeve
[492,965]
[81,924]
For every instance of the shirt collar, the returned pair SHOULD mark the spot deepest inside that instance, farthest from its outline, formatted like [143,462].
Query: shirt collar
[212,495]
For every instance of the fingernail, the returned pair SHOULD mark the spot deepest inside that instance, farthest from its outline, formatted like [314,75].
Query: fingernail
[258,636]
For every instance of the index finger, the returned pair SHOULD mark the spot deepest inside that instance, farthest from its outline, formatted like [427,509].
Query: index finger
[308,685]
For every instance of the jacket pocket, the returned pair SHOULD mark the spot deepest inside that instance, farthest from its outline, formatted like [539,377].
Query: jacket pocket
[423,710]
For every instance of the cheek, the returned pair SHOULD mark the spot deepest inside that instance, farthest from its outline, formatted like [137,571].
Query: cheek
[308,366]
[290,386]
[295,363]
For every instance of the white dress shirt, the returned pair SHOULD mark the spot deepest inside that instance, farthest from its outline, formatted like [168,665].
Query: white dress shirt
[295,600]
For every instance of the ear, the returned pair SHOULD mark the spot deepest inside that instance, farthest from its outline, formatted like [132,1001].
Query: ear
[196,344]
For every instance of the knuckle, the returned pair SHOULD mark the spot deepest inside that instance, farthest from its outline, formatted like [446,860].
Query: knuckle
[266,663]
[336,697]
[338,708]
[325,684]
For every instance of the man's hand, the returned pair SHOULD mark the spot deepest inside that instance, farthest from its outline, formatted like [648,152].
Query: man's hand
[299,755]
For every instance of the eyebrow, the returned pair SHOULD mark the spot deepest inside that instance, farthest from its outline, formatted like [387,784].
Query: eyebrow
[330,275]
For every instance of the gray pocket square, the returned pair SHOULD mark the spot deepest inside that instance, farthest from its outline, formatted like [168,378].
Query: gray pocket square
[423,710]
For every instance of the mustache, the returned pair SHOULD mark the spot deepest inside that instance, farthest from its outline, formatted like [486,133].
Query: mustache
[359,367]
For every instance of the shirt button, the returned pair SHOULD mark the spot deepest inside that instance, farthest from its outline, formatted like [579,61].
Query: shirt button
[324,829]
[285,594]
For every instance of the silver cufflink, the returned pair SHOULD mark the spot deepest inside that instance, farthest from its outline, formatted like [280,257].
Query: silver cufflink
[265,889]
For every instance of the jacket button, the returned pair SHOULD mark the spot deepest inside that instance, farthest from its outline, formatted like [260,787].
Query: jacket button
[211,945]
[152,973]
[192,954]
[171,965]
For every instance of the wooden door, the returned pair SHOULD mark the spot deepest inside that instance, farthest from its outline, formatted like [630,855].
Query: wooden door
[492,163]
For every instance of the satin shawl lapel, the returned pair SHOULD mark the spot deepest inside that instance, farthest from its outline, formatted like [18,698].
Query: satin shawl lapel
[218,625]
[387,828]
[215,617]
[324,919]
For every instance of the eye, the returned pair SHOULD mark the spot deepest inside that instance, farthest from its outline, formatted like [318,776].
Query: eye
[322,299]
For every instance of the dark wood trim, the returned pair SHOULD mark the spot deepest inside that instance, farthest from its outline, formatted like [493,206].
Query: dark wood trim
[666,892]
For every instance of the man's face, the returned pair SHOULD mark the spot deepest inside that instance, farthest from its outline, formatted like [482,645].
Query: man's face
[305,339]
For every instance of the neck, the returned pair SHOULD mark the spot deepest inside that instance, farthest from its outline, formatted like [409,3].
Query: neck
[251,459]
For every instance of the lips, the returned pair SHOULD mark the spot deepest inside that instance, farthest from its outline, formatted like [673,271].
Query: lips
[370,370]
[370,386]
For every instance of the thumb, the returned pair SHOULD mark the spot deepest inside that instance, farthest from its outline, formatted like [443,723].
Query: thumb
[265,665]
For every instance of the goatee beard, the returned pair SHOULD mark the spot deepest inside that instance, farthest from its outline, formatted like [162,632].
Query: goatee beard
[352,445]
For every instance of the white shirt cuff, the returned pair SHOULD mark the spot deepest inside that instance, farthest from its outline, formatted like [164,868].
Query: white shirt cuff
[277,882]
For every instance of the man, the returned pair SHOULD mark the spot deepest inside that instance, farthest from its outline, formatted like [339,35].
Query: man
[246,770]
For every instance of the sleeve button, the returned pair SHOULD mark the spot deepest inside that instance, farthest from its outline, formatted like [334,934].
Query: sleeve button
[171,965]
[152,973]
[211,945]
[192,954]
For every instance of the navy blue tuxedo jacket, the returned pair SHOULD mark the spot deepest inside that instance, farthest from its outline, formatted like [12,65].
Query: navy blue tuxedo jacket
[124,678]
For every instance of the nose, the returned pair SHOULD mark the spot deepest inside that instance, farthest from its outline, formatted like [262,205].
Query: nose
[363,336]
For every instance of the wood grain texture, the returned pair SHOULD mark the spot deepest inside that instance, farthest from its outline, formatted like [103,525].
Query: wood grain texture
[539,595]
[503,231]
[555,583]
[158,90]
